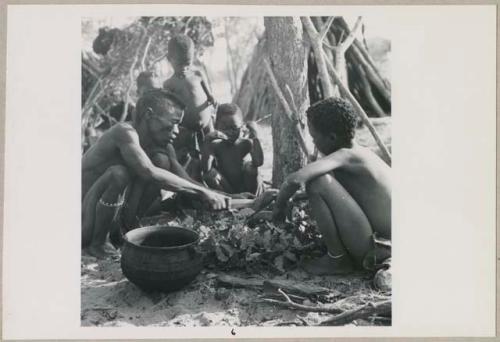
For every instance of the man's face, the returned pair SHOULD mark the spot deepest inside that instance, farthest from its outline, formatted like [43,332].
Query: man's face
[163,125]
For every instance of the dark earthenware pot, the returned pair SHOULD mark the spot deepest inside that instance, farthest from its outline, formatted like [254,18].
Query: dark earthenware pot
[161,258]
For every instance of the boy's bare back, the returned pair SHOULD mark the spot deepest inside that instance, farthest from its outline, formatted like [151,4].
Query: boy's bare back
[367,179]
[198,111]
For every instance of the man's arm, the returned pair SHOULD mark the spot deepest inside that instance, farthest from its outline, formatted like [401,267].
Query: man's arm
[137,160]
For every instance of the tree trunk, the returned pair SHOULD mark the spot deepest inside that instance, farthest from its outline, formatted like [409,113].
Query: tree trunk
[288,58]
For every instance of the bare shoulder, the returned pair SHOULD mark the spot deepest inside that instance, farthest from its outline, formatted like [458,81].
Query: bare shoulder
[123,132]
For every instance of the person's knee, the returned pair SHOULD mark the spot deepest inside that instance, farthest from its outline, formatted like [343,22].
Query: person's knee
[249,169]
[119,175]
[212,176]
[319,184]
[161,160]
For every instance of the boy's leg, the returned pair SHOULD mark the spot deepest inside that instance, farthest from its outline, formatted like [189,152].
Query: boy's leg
[252,182]
[216,181]
[106,194]
[344,226]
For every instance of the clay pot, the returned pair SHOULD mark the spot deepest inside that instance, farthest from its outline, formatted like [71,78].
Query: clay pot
[161,258]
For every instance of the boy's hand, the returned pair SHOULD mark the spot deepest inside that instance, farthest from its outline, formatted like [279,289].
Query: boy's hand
[215,135]
[279,215]
[252,129]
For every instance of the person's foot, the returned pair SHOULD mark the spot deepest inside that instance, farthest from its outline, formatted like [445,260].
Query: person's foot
[327,265]
[102,251]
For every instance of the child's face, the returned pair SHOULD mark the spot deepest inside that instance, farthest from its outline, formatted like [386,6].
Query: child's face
[230,126]
[324,143]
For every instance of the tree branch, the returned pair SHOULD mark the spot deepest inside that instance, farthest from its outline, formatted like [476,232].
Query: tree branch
[317,47]
[345,90]
[352,35]
[286,106]
[364,311]
[325,28]
[288,303]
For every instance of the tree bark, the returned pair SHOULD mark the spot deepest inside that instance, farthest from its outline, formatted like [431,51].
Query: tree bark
[288,58]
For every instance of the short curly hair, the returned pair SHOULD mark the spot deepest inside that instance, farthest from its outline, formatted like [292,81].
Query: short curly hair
[181,48]
[334,115]
[154,99]
[228,109]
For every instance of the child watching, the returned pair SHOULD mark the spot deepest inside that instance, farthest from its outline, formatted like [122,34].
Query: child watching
[349,191]
[186,83]
[227,147]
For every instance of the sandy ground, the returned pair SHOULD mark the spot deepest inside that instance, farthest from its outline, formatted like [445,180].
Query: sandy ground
[109,299]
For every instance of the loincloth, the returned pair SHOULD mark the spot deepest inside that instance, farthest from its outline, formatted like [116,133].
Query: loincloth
[380,254]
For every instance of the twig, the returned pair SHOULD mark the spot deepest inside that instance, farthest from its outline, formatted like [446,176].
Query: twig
[263,118]
[292,305]
[145,54]
[326,28]
[360,111]
[364,311]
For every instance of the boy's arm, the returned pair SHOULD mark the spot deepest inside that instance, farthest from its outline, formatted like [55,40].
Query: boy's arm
[296,180]
[135,158]
[256,149]
[207,156]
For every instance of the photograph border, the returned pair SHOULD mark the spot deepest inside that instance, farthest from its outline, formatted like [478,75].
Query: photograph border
[3,60]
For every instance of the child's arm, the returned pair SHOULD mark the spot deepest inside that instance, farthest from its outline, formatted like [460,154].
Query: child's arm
[294,181]
[207,156]
[256,150]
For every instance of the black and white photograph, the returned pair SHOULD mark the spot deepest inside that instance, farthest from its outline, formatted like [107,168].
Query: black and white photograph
[236,171]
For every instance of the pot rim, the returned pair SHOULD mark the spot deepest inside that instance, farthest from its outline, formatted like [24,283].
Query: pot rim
[162,227]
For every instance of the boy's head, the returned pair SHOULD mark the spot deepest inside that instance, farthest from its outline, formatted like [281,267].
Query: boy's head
[145,82]
[229,121]
[180,50]
[332,124]
[161,112]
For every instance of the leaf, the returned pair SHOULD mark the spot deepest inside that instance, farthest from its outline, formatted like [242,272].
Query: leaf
[290,256]
[230,251]
[220,255]
[253,256]
[267,240]
[296,243]
[279,262]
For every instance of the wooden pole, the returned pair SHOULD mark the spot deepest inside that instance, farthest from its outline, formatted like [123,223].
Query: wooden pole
[345,90]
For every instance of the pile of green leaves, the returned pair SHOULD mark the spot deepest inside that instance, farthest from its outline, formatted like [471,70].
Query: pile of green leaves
[229,241]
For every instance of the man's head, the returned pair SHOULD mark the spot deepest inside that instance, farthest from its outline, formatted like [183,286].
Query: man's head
[332,124]
[145,81]
[160,112]
[180,50]
[229,121]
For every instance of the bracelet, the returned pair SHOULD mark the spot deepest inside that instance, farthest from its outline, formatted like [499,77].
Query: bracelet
[111,205]
[335,256]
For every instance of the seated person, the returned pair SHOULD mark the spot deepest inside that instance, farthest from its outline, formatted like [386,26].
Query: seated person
[349,191]
[223,155]
[186,84]
[125,155]
[146,81]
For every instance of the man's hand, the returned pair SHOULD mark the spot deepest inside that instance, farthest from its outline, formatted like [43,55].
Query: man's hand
[215,200]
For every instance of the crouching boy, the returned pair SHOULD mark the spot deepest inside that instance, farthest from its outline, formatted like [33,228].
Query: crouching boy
[223,155]
[349,191]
